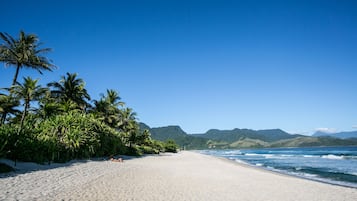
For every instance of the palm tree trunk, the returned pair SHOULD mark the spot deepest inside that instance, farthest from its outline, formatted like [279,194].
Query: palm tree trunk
[13,83]
[27,105]
[16,74]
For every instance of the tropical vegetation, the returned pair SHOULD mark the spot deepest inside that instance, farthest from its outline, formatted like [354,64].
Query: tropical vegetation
[59,122]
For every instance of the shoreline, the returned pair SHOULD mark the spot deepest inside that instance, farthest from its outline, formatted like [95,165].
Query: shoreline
[281,173]
[183,176]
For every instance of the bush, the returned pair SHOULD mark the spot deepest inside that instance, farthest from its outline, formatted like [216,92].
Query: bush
[77,135]
[60,138]
[148,150]
[110,142]
[158,145]
[133,151]
[170,146]
[24,146]
[7,139]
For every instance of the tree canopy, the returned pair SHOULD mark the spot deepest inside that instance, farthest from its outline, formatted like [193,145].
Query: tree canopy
[24,52]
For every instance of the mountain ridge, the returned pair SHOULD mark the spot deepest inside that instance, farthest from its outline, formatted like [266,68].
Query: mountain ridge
[340,135]
[241,138]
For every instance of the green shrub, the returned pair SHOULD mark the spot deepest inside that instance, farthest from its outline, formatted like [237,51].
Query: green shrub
[24,146]
[133,151]
[158,145]
[148,150]
[110,142]
[7,139]
[60,138]
[77,135]
[170,146]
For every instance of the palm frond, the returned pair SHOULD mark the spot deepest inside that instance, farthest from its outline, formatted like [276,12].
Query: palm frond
[9,40]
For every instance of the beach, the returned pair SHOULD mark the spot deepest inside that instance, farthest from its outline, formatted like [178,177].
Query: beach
[182,176]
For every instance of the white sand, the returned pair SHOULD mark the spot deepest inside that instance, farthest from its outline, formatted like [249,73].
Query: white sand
[182,176]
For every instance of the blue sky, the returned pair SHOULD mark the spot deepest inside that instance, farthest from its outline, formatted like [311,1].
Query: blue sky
[205,64]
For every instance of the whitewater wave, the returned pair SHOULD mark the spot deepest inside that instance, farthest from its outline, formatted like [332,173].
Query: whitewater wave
[233,152]
[333,157]
[335,165]
[251,154]
[310,156]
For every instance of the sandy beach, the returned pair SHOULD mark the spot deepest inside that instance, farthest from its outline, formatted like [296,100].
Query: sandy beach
[182,176]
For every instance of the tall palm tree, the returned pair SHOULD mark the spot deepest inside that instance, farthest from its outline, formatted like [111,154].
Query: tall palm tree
[24,52]
[28,91]
[70,88]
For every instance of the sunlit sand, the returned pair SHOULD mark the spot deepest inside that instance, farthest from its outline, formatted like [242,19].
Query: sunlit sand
[182,176]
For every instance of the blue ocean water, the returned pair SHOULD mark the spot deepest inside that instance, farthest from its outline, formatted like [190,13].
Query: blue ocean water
[335,165]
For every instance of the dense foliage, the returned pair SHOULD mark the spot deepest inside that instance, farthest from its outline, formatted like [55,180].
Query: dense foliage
[59,122]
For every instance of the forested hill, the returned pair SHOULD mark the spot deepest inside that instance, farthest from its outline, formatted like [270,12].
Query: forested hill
[341,135]
[241,138]
[178,135]
[270,135]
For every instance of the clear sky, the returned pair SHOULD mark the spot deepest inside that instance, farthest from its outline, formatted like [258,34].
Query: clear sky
[204,64]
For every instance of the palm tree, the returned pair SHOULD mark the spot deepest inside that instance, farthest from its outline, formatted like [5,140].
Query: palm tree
[24,52]
[105,112]
[28,91]
[70,88]
[67,106]
[144,138]
[129,125]
[48,106]
[128,116]
[107,108]
[113,98]
[8,105]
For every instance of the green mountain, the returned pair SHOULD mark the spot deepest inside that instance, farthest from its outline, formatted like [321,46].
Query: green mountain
[241,138]
[240,134]
[175,133]
[341,135]
[314,141]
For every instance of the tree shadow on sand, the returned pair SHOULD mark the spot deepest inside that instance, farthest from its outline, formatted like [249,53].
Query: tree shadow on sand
[10,170]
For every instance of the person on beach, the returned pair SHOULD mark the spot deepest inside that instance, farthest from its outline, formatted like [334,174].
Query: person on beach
[116,160]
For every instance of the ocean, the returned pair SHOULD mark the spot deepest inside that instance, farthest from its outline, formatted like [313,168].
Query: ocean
[334,165]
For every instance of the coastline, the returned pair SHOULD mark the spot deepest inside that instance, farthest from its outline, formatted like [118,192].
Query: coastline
[182,176]
[281,173]
[333,165]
